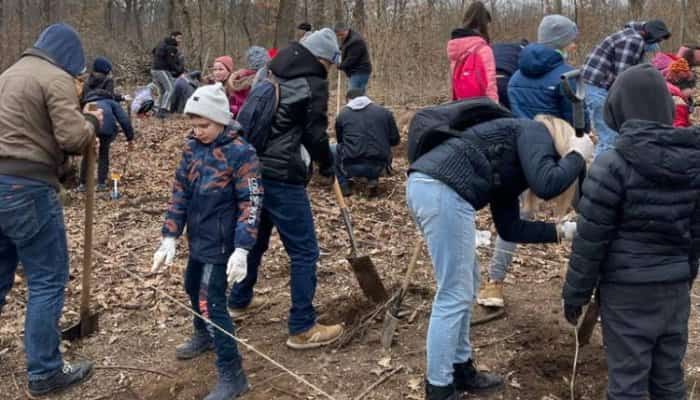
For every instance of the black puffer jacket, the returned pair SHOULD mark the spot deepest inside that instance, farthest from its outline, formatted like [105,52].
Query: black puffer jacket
[166,57]
[355,55]
[639,218]
[301,118]
[495,162]
[367,132]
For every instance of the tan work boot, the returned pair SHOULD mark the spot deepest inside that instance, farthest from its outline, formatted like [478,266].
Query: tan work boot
[256,304]
[319,335]
[491,295]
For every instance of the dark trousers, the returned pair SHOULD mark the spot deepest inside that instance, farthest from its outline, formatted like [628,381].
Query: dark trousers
[645,332]
[206,286]
[287,208]
[102,161]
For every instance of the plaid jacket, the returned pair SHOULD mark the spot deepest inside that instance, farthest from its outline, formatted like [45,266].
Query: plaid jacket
[613,55]
[217,193]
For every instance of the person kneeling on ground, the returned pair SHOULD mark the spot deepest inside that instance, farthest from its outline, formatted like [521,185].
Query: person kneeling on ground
[366,132]
[639,238]
[490,163]
[217,189]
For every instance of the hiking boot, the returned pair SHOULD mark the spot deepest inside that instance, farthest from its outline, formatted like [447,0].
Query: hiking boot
[229,386]
[255,304]
[469,379]
[69,375]
[198,344]
[440,392]
[491,295]
[373,188]
[319,335]
[101,187]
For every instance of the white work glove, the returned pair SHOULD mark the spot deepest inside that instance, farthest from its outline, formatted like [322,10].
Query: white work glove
[165,255]
[483,238]
[566,230]
[582,145]
[127,97]
[237,266]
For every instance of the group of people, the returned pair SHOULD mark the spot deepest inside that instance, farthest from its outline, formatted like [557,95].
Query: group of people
[506,141]
[635,243]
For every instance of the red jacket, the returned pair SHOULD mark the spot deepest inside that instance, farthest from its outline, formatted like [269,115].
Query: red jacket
[460,45]
[682,117]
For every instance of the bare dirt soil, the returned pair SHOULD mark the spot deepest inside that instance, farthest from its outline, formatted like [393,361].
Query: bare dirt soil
[532,346]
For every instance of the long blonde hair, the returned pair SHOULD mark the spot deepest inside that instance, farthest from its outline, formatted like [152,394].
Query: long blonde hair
[561,133]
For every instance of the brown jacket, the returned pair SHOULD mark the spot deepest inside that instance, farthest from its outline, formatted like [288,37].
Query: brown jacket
[40,119]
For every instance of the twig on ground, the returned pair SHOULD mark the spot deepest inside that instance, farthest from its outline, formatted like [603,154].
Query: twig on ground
[364,322]
[378,382]
[165,374]
[287,392]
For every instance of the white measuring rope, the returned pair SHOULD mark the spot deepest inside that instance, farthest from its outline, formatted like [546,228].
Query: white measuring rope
[239,341]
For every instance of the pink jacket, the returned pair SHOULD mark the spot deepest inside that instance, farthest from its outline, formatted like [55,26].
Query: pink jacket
[239,84]
[457,47]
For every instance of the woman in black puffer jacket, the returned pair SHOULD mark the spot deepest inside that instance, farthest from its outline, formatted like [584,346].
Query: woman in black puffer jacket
[491,163]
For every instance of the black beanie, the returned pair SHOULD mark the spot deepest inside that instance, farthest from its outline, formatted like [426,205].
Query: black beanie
[656,31]
[639,93]
[304,26]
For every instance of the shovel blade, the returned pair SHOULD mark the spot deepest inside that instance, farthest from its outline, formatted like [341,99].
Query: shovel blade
[368,278]
[391,322]
[87,325]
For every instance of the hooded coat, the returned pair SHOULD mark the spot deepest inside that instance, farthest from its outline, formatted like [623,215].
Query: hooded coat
[355,59]
[40,118]
[465,40]
[536,87]
[166,57]
[639,215]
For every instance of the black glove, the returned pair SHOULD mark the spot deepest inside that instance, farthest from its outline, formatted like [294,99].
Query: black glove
[326,171]
[572,313]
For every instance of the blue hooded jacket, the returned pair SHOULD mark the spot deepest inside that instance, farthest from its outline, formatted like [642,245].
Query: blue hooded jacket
[62,44]
[536,87]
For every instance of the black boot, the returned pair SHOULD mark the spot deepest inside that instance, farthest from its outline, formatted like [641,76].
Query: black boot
[232,383]
[373,188]
[199,343]
[468,379]
[433,392]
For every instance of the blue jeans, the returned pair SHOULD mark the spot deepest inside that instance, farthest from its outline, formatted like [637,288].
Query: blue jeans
[503,255]
[447,223]
[595,102]
[358,81]
[32,232]
[206,286]
[287,208]
[343,173]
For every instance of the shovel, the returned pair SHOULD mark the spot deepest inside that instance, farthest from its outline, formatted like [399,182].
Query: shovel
[391,318]
[88,323]
[362,266]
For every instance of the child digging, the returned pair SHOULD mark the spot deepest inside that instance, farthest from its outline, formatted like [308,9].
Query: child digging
[217,194]
[638,239]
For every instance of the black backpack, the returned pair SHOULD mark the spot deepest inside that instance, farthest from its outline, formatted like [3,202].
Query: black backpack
[259,111]
[433,125]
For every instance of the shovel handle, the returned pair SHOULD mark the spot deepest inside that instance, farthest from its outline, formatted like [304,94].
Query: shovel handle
[346,215]
[339,194]
[89,214]
[411,265]
[340,87]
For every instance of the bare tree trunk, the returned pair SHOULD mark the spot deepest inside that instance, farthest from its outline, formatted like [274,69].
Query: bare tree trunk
[557,7]
[47,18]
[20,28]
[109,9]
[243,20]
[636,8]
[171,15]
[318,13]
[201,35]
[284,25]
[338,13]
[3,37]
[188,24]
[359,16]
[684,11]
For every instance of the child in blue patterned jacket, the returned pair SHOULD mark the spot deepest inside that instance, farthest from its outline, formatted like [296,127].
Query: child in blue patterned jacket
[217,194]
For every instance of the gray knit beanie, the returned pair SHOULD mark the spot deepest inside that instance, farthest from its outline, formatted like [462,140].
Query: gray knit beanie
[323,44]
[257,57]
[210,102]
[556,31]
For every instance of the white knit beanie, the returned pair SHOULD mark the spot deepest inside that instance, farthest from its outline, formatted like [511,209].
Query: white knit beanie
[210,102]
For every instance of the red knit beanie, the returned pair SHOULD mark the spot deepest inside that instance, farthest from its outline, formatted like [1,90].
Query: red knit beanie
[227,61]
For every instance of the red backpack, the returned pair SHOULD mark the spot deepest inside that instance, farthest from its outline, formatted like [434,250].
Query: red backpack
[469,78]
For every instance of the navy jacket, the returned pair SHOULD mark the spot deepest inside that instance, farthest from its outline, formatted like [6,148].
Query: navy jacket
[113,113]
[494,162]
[507,57]
[355,58]
[536,87]
[639,214]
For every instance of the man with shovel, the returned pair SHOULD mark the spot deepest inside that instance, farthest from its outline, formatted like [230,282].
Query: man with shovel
[297,136]
[41,121]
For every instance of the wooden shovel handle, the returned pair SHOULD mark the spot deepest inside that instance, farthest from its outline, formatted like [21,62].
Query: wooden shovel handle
[339,194]
[412,265]
[89,214]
